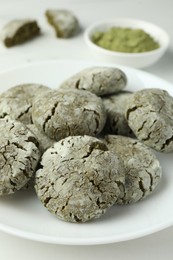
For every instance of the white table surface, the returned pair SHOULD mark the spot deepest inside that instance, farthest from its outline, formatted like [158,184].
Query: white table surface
[155,246]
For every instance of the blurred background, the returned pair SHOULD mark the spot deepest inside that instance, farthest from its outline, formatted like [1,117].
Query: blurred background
[158,12]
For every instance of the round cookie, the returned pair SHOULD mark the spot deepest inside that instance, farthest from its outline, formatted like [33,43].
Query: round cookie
[149,113]
[19,156]
[68,112]
[116,122]
[16,102]
[79,179]
[143,170]
[98,80]
[44,141]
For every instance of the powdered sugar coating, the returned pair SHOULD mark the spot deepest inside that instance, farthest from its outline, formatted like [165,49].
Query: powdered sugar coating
[79,179]
[142,168]
[61,113]
[116,122]
[64,22]
[44,141]
[18,31]
[149,114]
[98,80]
[16,102]
[19,156]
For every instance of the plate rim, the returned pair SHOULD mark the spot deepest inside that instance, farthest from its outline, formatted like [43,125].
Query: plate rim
[80,241]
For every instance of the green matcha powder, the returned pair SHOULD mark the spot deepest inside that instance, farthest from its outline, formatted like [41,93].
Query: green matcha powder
[125,40]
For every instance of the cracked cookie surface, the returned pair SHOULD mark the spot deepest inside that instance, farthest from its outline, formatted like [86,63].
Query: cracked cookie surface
[16,102]
[19,156]
[44,141]
[61,113]
[116,122]
[149,114]
[142,169]
[79,179]
[98,80]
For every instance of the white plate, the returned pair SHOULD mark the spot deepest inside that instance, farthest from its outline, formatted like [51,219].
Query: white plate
[23,215]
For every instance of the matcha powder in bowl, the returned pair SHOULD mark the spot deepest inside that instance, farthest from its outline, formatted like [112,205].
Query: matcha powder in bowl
[128,40]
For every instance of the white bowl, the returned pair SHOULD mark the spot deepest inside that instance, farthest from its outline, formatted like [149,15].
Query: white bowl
[137,60]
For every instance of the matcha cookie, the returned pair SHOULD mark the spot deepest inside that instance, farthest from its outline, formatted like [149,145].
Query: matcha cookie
[68,112]
[44,141]
[63,21]
[79,179]
[19,156]
[16,102]
[142,169]
[19,31]
[149,113]
[98,80]
[116,122]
